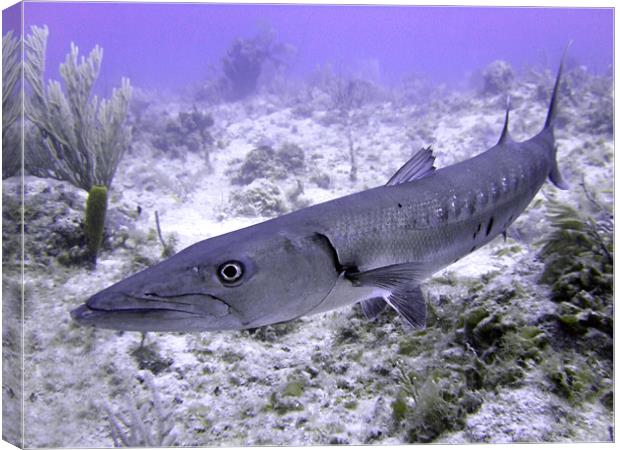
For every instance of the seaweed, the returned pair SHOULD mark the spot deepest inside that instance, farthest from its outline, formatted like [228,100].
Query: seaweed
[432,405]
[578,258]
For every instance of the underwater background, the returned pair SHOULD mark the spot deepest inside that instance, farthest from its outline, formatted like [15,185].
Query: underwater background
[219,116]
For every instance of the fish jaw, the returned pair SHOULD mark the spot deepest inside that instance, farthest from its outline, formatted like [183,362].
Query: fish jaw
[116,310]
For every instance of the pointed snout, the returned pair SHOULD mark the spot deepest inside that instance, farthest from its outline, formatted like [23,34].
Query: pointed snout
[114,309]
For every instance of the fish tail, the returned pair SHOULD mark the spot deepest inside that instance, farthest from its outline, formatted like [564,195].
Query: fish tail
[554,96]
[555,176]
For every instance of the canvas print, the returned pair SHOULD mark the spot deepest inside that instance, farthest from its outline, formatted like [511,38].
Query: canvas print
[246,225]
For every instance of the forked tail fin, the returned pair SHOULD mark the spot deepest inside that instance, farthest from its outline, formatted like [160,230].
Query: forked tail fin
[556,87]
[555,176]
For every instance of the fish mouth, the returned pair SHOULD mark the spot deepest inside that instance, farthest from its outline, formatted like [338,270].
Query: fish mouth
[187,312]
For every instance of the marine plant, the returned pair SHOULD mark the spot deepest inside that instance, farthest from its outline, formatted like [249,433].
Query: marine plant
[432,403]
[81,139]
[168,246]
[148,423]
[11,105]
[578,256]
[348,97]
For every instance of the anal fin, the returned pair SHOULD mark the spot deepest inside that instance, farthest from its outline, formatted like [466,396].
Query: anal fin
[373,307]
[410,304]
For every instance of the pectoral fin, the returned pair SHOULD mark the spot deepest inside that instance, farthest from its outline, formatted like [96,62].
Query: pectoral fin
[402,281]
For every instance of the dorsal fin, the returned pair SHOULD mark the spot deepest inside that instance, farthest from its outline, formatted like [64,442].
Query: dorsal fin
[419,166]
[505,137]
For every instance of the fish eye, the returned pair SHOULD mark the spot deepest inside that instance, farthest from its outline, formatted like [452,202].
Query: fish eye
[230,272]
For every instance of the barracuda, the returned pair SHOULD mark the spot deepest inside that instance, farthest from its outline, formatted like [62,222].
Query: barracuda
[373,247]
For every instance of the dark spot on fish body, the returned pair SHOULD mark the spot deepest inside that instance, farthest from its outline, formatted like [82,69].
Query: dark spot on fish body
[472,249]
[400,205]
[477,231]
[490,226]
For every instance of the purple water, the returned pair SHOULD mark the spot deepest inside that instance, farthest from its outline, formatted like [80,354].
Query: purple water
[172,45]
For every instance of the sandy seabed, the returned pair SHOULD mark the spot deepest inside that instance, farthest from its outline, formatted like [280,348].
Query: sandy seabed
[334,377]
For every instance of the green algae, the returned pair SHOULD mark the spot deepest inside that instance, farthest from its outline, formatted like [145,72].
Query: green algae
[469,348]
[294,388]
[572,379]
[509,250]
[351,404]
[399,408]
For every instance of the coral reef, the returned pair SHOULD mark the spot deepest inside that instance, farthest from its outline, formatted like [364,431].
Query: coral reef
[265,162]
[497,78]
[189,132]
[259,198]
[244,62]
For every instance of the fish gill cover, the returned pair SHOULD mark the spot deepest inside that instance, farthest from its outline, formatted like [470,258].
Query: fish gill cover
[239,113]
